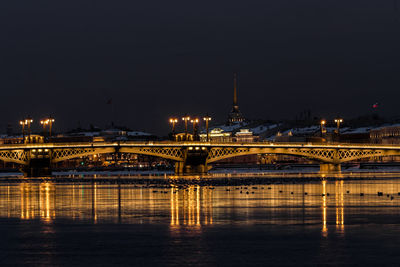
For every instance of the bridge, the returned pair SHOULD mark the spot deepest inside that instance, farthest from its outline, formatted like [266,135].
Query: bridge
[189,156]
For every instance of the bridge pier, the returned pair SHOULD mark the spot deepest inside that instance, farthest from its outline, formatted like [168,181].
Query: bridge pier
[39,163]
[195,161]
[330,167]
[37,167]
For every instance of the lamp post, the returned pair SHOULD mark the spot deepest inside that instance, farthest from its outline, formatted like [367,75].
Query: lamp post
[207,119]
[26,123]
[22,123]
[51,121]
[186,119]
[323,130]
[195,122]
[338,122]
[173,122]
[46,122]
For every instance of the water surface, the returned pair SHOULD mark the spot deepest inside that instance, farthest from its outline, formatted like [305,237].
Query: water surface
[323,223]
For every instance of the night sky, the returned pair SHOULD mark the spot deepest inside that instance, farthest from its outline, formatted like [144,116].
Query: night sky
[160,58]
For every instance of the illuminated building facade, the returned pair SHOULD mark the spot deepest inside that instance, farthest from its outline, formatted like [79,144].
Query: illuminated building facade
[388,135]
[217,135]
[245,135]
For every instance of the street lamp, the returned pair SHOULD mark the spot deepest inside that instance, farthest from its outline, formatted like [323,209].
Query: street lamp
[207,119]
[195,122]
[338,122]
[26,123]
[22,123]
[173,121]
[323,130]
[46,122]
[186,119]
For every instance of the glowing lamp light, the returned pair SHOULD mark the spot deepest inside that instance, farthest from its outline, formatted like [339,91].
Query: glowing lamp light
[186,118]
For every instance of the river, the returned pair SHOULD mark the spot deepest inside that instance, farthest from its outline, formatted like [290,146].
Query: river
[332,222]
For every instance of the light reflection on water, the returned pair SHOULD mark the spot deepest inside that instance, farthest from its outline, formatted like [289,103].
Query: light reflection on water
[44,223]
[330,204]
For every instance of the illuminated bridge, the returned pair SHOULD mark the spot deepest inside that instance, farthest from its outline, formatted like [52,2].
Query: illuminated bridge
[190,157]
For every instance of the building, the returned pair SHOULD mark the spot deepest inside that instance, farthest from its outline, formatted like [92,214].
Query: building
[388,135]
[245,136]
[32,138]
[356,135]
[220,135]
[217,135]
[385,135]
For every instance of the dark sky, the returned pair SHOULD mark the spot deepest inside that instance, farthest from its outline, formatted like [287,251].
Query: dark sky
[157,58]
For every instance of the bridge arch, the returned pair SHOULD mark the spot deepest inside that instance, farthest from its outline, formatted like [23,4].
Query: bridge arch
[58,155]
[323,155]
[14,156]
[171,153]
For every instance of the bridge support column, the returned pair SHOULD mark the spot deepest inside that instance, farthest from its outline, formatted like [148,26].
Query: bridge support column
[330,167]
[195,162]
[38,167]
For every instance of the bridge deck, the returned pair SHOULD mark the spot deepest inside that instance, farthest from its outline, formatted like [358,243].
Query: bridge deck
[198,144]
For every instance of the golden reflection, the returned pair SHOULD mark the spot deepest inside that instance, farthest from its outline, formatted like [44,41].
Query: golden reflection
[36,201]
[339,197]
[195,206]
[46,208]
[191,206]
[8,201]
[338,205]
[324,209]
[94,202]
[25,201]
